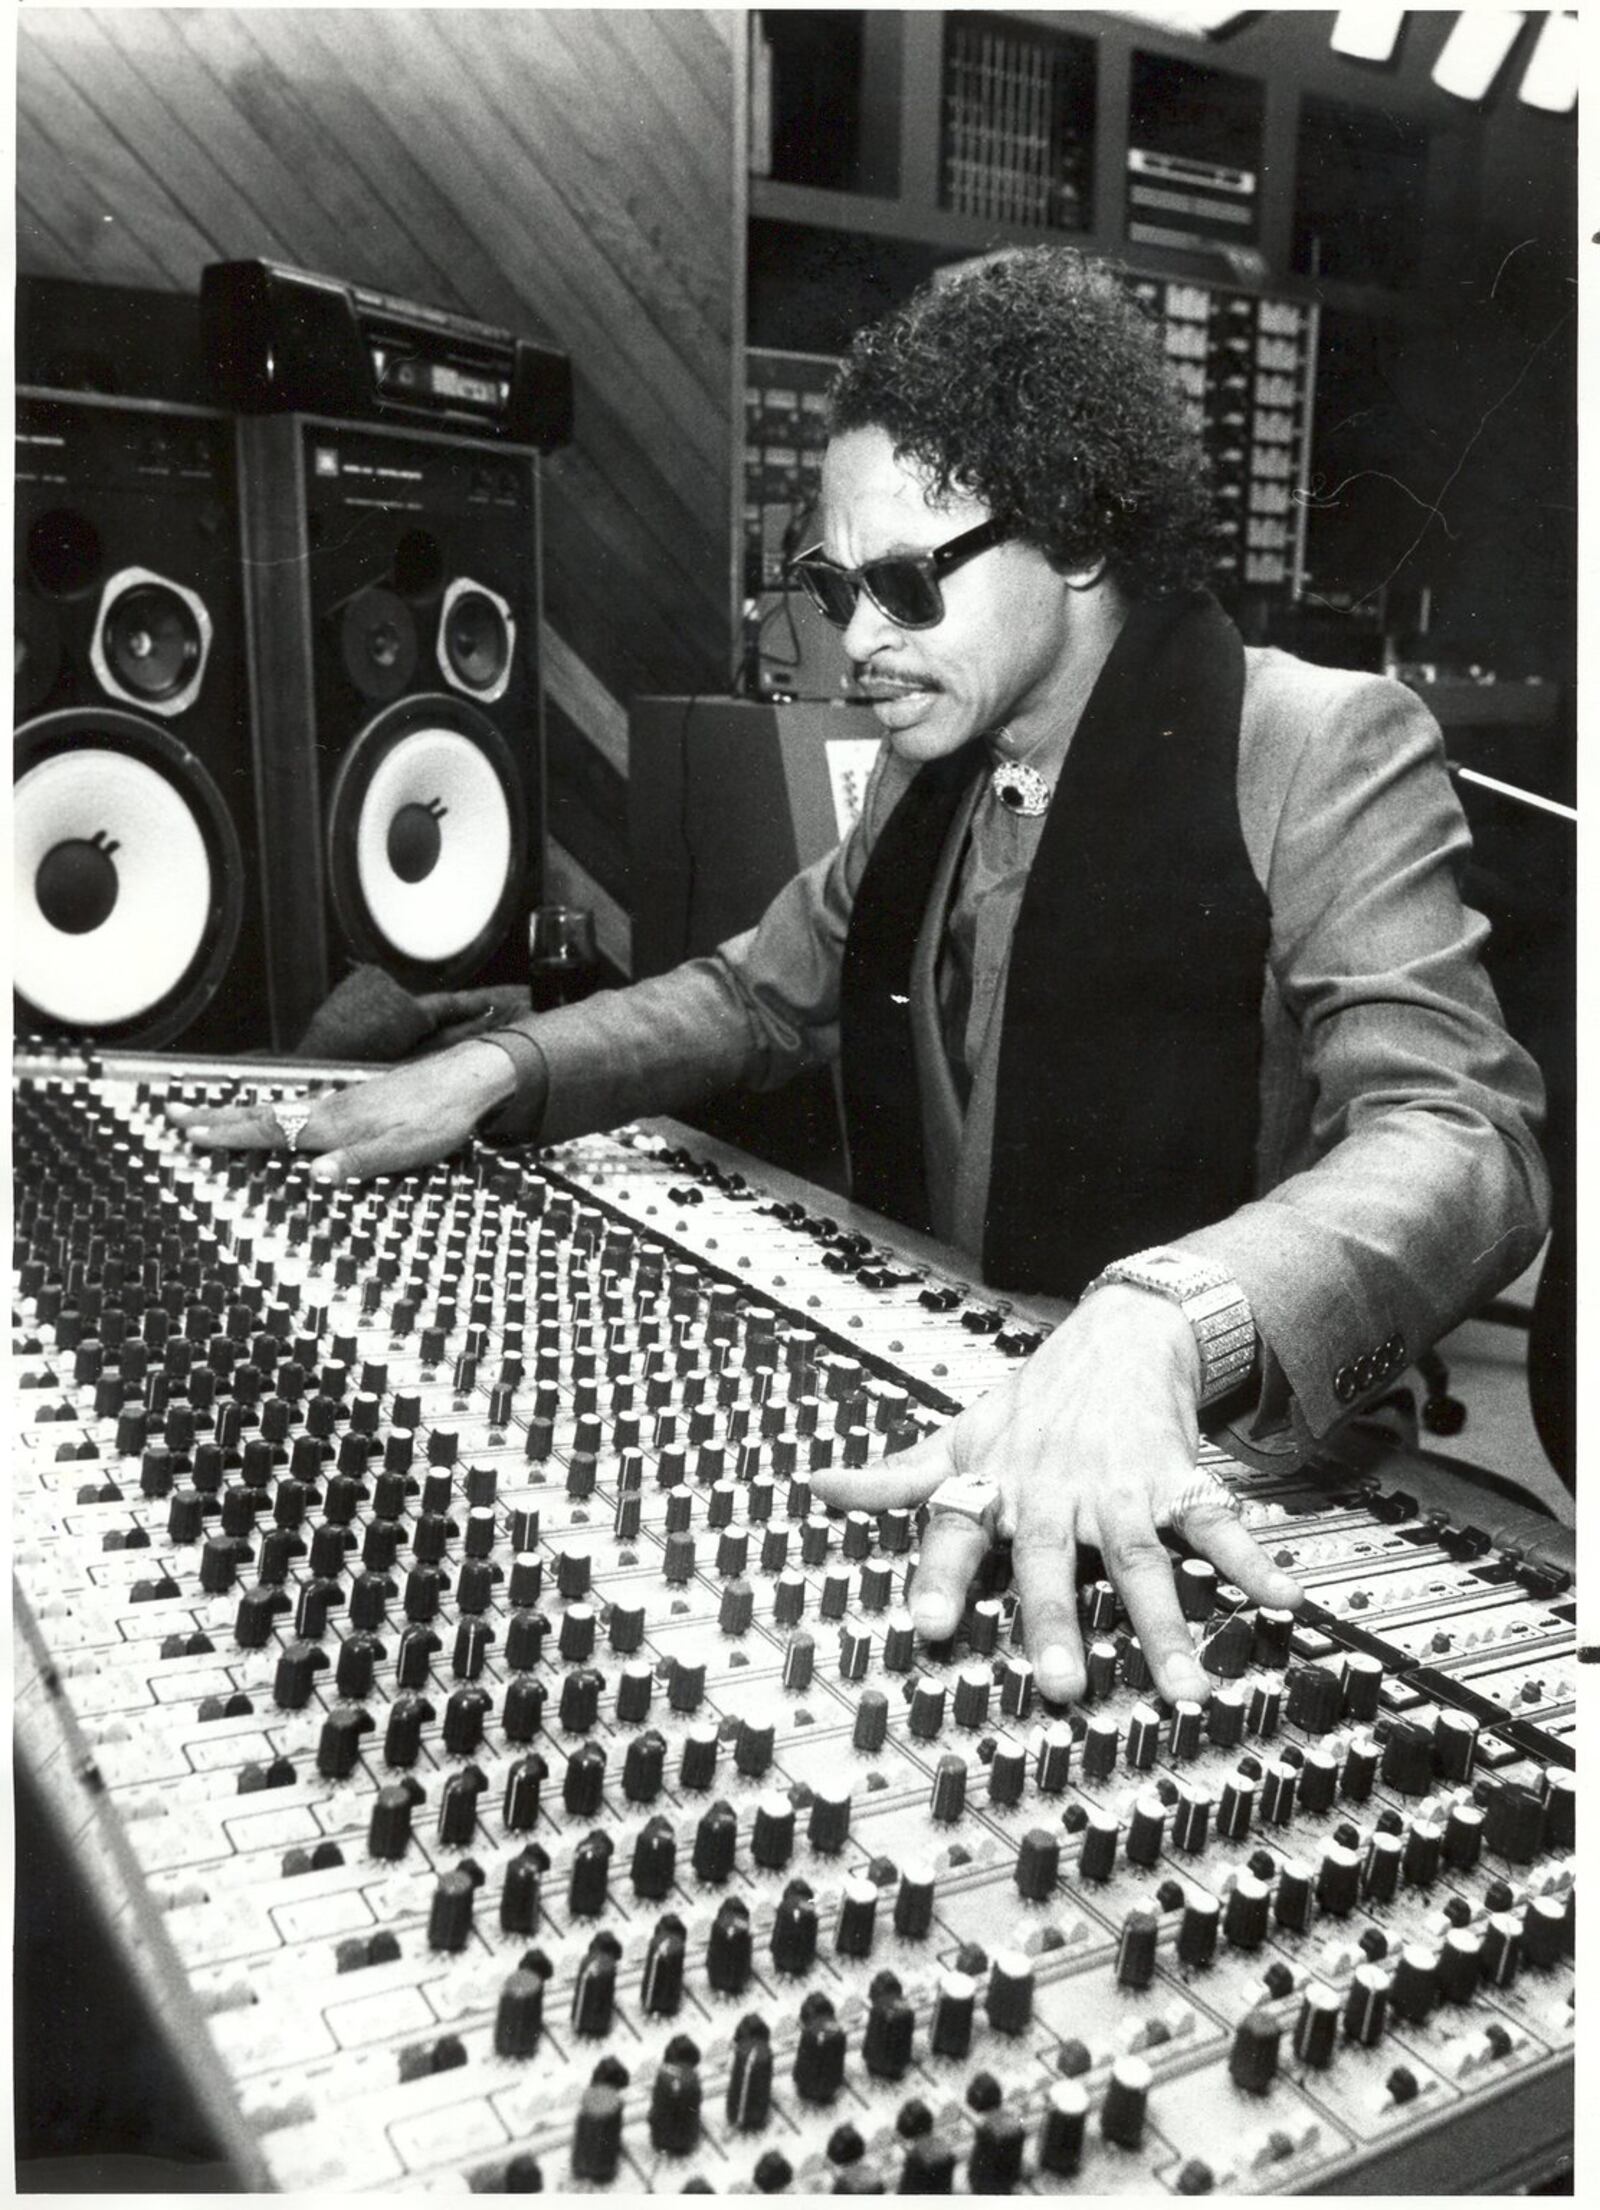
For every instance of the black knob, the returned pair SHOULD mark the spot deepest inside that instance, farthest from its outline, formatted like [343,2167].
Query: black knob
[1127,2092]
[258,1607]
[643,1767]
[458,1806]
[339,1746]
[749,2101]
[464,1714]
[661,1986]
[296,1673]
[715,1842]
[591,1874]
[891,2023]
[950,2034]
[520,1890]
[1514,1821]
[1366,2007]
[1009,2001]
[408,1714]
[857,1918]
[1097,1857]
[597,2135]
[829,1827]
[913,1903]
[675,2109]
[1316,2030]
[1197,1932]
[794,1929]
[1037,1866]
[519,2019]
[594,1991]
[450,1914]
[728,1956]
[1136,1949]
[772,1838]
[1253,2060]
[519,1810]
[1408,1759]
[389,1829]
[1061,2129]
[583,1786]
[655,1855]
[523,1710]
[819,2058]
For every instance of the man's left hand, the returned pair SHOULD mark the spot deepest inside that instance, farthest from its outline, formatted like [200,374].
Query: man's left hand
[1092,1441]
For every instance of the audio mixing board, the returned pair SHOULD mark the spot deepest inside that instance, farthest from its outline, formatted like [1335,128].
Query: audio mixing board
[501,1772]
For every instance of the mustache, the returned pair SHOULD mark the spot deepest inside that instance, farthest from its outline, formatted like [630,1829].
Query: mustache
[868,672]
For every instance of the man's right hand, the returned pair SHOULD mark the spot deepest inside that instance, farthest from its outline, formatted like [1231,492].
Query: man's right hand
[408,1117]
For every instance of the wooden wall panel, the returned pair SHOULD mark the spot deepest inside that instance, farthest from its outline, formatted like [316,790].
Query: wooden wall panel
[569,173]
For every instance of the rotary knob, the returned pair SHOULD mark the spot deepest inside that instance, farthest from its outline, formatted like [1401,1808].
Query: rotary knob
[819,2057]
[1253,2059]
[1127,2093]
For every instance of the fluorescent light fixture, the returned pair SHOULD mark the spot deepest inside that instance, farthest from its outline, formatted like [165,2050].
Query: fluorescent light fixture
[1550,80]
[1367,34]
[1196,22]
[1471,56]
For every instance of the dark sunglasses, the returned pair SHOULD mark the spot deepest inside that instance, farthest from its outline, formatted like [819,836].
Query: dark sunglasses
[904,587]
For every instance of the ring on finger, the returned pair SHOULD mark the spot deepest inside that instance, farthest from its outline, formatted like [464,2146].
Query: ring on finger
[968,1496]
[1203,1492]
[289,1114]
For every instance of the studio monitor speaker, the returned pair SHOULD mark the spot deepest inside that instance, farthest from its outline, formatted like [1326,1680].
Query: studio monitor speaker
[394,615]
[137,899]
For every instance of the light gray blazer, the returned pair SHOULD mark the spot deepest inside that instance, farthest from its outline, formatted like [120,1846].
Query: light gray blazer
[1398,1180]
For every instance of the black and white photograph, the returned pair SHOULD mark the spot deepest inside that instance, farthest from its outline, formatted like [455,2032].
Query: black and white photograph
[794,1382]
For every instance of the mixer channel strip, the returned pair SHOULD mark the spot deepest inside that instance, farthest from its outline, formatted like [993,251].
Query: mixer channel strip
[531,1784]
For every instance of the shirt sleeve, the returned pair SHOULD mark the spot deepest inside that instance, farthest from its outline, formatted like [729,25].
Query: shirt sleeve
[760,1009]
[1426,1192]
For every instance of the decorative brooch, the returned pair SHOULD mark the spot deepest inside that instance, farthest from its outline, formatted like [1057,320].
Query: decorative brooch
[1020,789]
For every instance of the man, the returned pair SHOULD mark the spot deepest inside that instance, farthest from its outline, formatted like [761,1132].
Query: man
[1146,965]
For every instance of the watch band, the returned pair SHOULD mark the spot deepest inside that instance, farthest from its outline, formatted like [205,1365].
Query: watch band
[1210,1300]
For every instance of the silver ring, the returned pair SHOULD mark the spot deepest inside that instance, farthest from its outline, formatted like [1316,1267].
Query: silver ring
[1203,1491]
[968,1496]
[291,1115]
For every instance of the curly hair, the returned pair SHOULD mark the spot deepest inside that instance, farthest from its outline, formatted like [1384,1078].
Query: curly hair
[1033,382]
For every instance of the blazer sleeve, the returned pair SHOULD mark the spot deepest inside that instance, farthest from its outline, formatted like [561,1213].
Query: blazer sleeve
[760,1009]
[1424,1191]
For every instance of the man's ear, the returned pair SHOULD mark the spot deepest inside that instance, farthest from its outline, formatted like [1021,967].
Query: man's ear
[1084,579]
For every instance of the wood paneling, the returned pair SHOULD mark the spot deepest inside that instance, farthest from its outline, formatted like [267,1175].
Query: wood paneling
[569,173]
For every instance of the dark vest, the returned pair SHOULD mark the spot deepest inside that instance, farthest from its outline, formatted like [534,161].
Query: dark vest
[1130,1048]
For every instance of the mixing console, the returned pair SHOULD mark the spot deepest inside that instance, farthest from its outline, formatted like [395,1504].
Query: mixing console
[505,1774]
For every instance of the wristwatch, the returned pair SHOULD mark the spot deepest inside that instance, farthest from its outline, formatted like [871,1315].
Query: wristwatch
[1210,1300]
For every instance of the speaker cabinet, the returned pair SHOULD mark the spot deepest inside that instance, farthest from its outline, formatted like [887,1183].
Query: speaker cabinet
[393,580]
[137,906]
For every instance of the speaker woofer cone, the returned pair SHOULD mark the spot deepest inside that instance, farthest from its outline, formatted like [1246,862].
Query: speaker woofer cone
[126,879]
[477,639]
[427,837]
[151,642]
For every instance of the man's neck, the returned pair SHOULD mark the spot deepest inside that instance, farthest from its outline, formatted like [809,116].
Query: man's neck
[1042,734]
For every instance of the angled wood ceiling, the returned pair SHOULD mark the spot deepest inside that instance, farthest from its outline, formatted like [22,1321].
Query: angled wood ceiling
[567,173]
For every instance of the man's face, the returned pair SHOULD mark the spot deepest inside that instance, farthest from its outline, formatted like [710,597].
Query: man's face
[1002,652]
